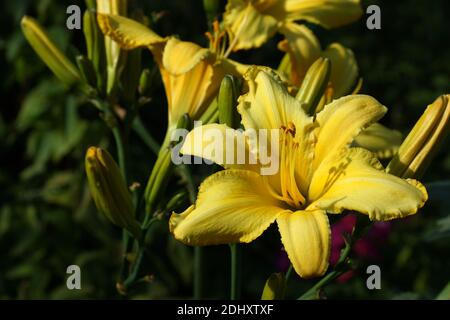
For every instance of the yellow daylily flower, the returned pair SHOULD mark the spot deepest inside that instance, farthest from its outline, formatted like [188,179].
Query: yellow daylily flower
[191,74]
[318,174]
[302,49]
[251,23]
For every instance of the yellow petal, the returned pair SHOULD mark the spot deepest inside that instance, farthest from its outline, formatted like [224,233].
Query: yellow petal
[327,13]
[382,141]
[181,56]
[222,145]
[268,105]
[190,92]
[127,32]
[341,121]
[232,206]
[247,27]
[303,48]
[356,181]
[306,239]
[344,69]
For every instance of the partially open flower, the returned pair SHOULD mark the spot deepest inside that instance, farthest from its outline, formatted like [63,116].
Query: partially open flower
[251,23]
[191,74]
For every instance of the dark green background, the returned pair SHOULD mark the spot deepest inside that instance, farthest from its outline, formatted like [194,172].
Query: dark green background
[47,220]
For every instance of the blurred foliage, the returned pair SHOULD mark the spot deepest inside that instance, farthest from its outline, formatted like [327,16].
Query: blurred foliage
[48,221]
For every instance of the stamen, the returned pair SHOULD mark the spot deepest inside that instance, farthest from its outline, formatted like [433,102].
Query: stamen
[289,152]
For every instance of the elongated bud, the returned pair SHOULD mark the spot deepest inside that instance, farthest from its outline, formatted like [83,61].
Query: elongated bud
[275,287]
[95,47]
[227,101]
[49,53]
[423,141]
[109,191]
[314,84]
[87,71]
[176,201]
[114,55]
[145,83]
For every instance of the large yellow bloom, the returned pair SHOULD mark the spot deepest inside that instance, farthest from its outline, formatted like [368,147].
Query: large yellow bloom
[319,174]
[250,23]
[191,74]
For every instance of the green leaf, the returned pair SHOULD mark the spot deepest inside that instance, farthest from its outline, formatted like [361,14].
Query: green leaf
[445,293]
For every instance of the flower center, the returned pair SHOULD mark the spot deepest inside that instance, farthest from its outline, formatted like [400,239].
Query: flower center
[288,151]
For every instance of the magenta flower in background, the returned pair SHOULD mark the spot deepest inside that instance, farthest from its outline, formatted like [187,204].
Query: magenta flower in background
[366,248]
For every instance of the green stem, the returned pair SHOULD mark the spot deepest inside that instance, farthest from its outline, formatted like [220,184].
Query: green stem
[146,137]
[127,247]
[198,251]
[235,271]
[340,268]
[313,292]
[120,151]
[198,273]
[288,273]
[137,267]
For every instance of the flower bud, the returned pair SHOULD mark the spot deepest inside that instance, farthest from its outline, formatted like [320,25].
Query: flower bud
[423,141]
[227,101]
[314,84]
[109,191]
[145,83]
[95,47]
[212,8]
[49,53]
[114,55]
[275,287]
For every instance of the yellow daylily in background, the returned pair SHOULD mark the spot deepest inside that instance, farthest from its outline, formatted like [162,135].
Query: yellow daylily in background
[319,174]
[303,49]
[191,74]
[250,23]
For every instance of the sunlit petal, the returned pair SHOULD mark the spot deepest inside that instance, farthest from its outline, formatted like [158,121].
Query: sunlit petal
[306,239]
[356,181]
[232,206]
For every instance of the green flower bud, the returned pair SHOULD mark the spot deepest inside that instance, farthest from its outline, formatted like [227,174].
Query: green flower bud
[423,141]
[314,84]
[95,47]
[49,53]
[227,101]
[109,191]
[145,83]
[212,8]
[114,55]
[275,287]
